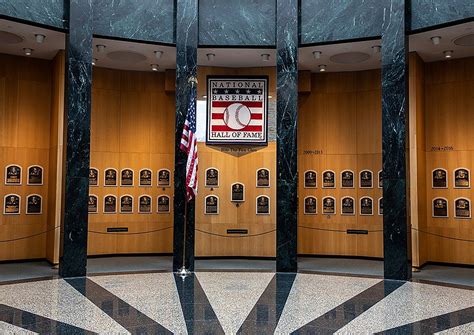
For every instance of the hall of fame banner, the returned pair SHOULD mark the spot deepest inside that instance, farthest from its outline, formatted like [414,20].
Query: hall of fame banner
[237,109]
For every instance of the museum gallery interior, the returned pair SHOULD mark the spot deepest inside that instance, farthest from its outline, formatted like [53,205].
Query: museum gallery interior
[236,167]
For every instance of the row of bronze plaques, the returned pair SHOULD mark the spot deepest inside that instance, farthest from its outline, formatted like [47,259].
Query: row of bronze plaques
[13,175]
[348,206]
[347,179]
[145,204]
[145,178]
[461,177]
[262,177]
[12,204]
[262,205]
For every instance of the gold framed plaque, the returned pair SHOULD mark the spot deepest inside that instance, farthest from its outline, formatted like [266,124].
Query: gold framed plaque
[93,177]
[329,179]
[263,205]
[163,204]
[462,208]
[263,177]
[13,174]
[126,204]
[110,204]
[347,179]
[146,178]
[440,208]
[310,179]
[329,206]
[439,178]
[211,205]
[35,175]
[11,204]
[380,206]
[347,206]
[237,192]
[462,178]
[126,177]
[164,178]
[366,206]
[110,177]
[310,205]
[380,179]
[212,178]
[366,179]
[34,204]
[92,204]
[144,204]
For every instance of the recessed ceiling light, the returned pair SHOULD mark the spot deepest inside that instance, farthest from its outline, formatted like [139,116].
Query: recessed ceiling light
[269,97]
[265,57]
[158,54]
[376,49]
[448,54]
[204,96]
[27,51]
[94,61]
[40,38]
[322,68]
[210,57]
[154,67]
[435,40]
[317,54]
[100,48]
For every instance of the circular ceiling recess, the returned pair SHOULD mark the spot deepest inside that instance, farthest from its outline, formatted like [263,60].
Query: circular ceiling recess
[465,41]
[9,38]
[349,58]
[126,56]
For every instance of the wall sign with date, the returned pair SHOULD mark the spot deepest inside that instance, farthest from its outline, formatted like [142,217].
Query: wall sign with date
[310,179]
[13,174]
[347,206]
[329,206]
[211,205]
[164,178]
[263,177]
[110,204]
[461,178]
[126,177]
[146,177]
[110,177]
[34,204]
[237,192]
[347,179]
[263,205]
[440,208]
[329,179]
[144,204]
[366,206]
[212,178]
[92,204]
[310,206]
[11,204]
[366,179]
[163,204]
[462,208]
[439,178]
[93,177]
[35,175]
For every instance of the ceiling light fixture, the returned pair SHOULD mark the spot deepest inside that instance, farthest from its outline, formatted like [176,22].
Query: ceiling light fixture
[154,67]
[317,54]
[448,54]
[158,54]
[265,57]
[27,51]
[376,49]
[94,61]
[210,57]
[40,38]
[322,68]
[435,40]
[100,48]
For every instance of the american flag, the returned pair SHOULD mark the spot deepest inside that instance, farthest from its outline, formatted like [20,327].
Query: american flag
[189,146]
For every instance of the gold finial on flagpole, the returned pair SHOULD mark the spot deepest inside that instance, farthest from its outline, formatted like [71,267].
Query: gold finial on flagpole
[193,80]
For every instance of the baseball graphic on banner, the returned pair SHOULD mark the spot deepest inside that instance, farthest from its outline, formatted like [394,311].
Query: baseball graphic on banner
[237,116]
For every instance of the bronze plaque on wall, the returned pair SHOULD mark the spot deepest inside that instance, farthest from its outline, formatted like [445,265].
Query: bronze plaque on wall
[310,179]
[381,206]
[35,175]
[440,208]
[110,204]
[93,177]
[126,177]
[329,179]
[347,206]
[13,175]
[33,204]
[329,206]
[163,204]
[110,177]
[366,206]
[212,205]
[366,179]
[145,177]
[347,179]
[238,192]
[440,179]
[263,205]
[461,178]
[212,178]
[144,204]
[126,204]
[11,204]
[92,204]
[380,175]
[463,208]
[263,178]
[163,178]
[310,206]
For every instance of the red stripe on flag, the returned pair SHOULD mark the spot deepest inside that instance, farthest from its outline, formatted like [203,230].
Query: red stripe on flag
[225,128]
[254,104]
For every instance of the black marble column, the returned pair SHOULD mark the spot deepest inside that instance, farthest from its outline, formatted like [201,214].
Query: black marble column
[186,67]
[397,254]
[287,111]
[78,115]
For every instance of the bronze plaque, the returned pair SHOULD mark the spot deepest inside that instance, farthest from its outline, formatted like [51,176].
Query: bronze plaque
[347,179]
[145,177]
[144,205]
[463,208]
[263,178]
[329,179]
[163,178]
[461,178]
[263,205]
[35,175]
[212,178]
[33,204]
[366,206]
[93,177]
[380,179]
[310,179]
[212,205]
[11,204]
[110,177]
[381,206]
[163,204]
[13,175]
[92,204]
[126,177]
[440,208]
[238,192]
[126,204]
[366,179]
[440,179]
[110,204]
[310,206]
[347,206]
[329,206]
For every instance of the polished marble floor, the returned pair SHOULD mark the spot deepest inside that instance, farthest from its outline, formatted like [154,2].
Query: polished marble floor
[233,303]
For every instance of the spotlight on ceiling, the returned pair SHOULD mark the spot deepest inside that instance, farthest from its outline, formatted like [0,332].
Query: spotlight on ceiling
[317,54]
[376,49]
[40,38]
[210,57]
[158,54]
[94,61]
[322,68]
[435,40]
[154,67]
[100,48]
[27,51]
[265,57]
[448,54]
